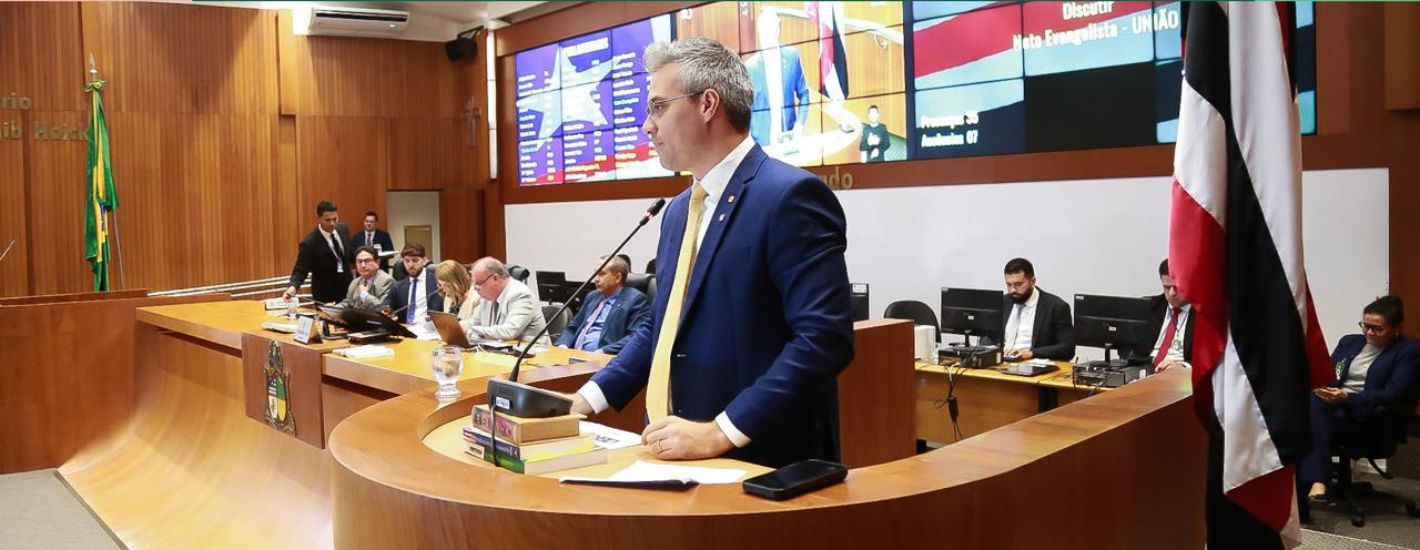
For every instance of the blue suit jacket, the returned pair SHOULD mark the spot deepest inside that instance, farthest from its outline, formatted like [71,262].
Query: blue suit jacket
[794,90]
[767,321]
[399,293]
[631,310]
[1391,379]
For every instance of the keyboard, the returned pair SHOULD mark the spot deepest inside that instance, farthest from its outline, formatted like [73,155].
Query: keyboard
[1030,369]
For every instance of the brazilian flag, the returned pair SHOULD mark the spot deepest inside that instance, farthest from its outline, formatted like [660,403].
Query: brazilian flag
[100,196]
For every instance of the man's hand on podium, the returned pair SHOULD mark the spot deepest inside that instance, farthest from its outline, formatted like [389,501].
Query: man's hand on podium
[675,438]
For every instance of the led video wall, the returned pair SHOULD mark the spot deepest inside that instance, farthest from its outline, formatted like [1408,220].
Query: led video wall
[867,82]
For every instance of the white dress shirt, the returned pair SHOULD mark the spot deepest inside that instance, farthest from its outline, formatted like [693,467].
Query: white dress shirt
[336,247]
[420,303]
[1175,352]
[1020,328]
[714,183]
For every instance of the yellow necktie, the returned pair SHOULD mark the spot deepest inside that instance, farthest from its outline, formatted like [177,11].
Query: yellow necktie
[658,388]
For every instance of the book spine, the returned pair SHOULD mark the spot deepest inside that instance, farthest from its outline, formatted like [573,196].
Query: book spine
[504,448]
[504,461]
[506,428]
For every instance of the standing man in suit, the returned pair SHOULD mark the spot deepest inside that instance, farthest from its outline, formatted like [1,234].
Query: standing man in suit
[413,297]
[508,310]
[609,314]
[755,322]
[371,287]
[1373,395]
[1037,323]
[1172,320]
[375,237]
[780,89]
[324,255]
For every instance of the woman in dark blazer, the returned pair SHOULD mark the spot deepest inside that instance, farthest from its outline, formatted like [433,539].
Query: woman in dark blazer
[1376,373]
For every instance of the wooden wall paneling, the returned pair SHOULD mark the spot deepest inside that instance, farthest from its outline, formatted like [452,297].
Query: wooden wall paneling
[427,153]
[14,220]
[345,76]
[290,222]
[427,83]
[188,59]
[344,160]
[55,173]
[1402,56]
[288,59]
[460,224]
[40,54]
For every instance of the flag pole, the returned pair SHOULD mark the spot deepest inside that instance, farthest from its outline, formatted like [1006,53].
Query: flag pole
[112,220]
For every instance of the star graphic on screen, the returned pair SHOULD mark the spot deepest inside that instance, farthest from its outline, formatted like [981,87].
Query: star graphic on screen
[583,105]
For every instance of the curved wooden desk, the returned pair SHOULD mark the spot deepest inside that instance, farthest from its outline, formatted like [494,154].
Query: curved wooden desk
[1120,470]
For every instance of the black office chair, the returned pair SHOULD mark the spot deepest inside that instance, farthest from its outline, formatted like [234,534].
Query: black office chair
[914,311]
[556,325]
[651,266]
[1375,439]
[519,273]
[859,293]
[646,283]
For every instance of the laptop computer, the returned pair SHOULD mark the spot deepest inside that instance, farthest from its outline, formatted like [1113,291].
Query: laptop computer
[452,333]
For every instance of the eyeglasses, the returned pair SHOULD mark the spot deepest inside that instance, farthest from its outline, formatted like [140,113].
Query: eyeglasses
[364,260]
[1366,327]
[477,284]
[657,108]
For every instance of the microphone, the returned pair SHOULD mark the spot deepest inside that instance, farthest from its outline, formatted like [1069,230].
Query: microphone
[12,245]
[525,401]
[395,314]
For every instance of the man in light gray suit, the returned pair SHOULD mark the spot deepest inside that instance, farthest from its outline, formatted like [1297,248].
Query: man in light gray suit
[371,287]
[508,310]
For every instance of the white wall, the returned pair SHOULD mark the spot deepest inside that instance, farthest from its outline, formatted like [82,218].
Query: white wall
[413,208]
[1084,236]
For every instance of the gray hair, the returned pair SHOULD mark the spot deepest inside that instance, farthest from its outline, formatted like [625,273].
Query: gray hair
[618,266]
[705,64]
[491,266]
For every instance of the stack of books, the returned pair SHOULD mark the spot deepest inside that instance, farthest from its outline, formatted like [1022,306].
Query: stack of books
[533,445]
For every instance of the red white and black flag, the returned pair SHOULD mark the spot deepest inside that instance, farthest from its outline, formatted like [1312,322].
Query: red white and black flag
[1235,248]
[833,56]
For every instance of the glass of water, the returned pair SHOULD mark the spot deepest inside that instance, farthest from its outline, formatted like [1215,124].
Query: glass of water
[447,365]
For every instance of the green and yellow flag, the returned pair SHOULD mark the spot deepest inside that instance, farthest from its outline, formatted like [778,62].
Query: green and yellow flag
[100,195]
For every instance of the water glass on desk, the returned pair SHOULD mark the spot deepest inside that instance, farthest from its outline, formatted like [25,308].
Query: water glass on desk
[448,366]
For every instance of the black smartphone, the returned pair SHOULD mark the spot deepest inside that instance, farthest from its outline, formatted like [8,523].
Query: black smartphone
[796,479]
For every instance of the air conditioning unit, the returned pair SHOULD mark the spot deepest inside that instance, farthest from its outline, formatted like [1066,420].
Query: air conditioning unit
[338,21]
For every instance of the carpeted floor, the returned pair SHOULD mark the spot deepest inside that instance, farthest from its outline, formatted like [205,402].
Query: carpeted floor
[38,511]
[1386,521]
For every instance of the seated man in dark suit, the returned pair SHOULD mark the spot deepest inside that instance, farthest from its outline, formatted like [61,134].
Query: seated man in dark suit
[609,314]
[1172,320]
[412,298]
[1377,376]
[1037,323]
[323,254]
[375,237]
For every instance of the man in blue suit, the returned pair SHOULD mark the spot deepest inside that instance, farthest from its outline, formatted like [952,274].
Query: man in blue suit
[1374,393]
[372,235]
[609,314]
[413,297]
[781,93]
[754,321]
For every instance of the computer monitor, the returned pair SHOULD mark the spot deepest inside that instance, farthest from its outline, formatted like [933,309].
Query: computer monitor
[860,301]
[1112,322]
[971,312]
[550,286]
[570,295]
